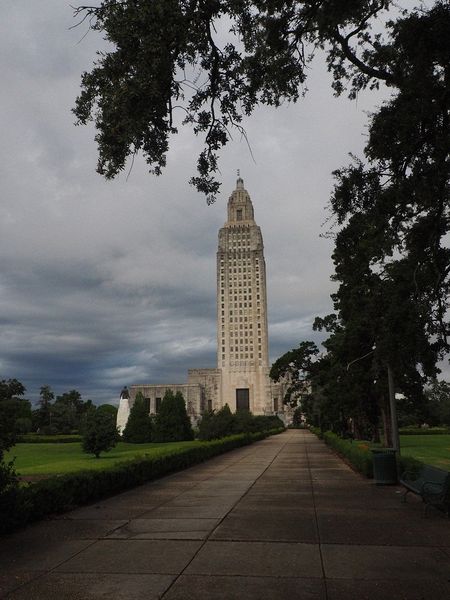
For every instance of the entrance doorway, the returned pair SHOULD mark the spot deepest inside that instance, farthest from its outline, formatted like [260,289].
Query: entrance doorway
[242,399]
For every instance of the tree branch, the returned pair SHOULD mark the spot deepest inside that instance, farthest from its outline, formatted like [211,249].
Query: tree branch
[351,56]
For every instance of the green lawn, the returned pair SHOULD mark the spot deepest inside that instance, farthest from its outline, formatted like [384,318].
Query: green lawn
[429,449]
[52,459]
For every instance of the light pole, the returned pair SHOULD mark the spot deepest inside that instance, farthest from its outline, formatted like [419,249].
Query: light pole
[392,406]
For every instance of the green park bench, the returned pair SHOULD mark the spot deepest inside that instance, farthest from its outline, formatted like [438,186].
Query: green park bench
[431,484]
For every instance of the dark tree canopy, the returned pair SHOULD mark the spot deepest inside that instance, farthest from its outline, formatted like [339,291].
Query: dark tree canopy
[100,433]
[296,368]
[12,408]
[209,63]
[138,429]
[172,423]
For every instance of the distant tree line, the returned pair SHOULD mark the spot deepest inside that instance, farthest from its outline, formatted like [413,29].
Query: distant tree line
[63,414]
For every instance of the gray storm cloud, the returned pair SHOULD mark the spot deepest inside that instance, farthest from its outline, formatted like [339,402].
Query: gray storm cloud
[109,283]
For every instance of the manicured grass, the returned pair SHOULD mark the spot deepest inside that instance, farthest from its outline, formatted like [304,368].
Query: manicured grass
[56,459]
[429,449]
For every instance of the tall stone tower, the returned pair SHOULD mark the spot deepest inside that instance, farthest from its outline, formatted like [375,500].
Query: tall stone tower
[242,338]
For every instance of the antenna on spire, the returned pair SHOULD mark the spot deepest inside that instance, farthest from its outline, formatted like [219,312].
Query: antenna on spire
[239,182]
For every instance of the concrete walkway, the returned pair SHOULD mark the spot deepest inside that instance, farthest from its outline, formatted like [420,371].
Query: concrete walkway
[281,519]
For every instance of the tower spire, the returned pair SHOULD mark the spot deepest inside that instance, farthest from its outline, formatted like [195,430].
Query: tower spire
[240,181]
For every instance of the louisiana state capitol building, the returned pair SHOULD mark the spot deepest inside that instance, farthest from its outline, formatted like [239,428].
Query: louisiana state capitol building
[242,338]
[241,378]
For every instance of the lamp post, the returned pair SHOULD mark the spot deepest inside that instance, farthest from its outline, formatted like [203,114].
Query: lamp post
[392,406]
[393,409]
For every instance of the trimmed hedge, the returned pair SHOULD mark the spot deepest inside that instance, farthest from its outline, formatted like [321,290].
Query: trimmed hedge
[359,454]
[317,431]
[424,430]
[215,425]
[36,438]
[22,505]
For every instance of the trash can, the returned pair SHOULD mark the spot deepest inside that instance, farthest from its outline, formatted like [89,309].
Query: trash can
[384,466]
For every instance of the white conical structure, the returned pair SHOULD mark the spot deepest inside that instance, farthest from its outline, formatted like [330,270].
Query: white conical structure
[124,409]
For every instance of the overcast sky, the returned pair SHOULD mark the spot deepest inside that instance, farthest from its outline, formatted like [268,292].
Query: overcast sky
[104,284]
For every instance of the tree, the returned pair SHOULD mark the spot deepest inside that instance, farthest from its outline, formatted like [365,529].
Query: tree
[214,425]
[138,429]
[167,58]
[63,419]
[43,414]
[100,433]
[438,403]
[295,368]
[67,412]
[297,417]
[172,423]
[390,255]
[108,409]
[12,409]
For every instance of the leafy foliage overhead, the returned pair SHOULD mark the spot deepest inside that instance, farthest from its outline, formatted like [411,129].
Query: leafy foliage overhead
[209,63]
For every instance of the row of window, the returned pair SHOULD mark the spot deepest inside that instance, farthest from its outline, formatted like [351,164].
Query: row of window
[240,355]
[247,332]
[239,319]
[240,298]
[236,263]
[240,363]
[243,325]
[250,305]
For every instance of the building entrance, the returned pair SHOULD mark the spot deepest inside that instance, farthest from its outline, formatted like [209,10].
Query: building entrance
[242,399]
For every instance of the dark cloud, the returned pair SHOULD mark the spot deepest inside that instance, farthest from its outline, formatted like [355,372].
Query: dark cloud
[110,283]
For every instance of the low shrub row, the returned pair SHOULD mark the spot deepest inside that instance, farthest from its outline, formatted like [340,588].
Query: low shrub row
[22,505]
[37,438]
[215,425]
[359,454]
[317,431]
[424,430]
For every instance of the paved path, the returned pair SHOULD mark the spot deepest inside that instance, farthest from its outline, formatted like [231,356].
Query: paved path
[281,519]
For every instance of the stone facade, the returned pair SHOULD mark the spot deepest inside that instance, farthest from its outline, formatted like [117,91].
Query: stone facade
[242,337]
[241,378]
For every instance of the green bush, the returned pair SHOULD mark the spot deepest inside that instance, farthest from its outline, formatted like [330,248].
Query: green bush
[138,429]
[100,433]
[356,452]
[317,431]
[424,430]
[58,494]
[408,463]
[172,423]
[215,425]
[267,422]
[37,438]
